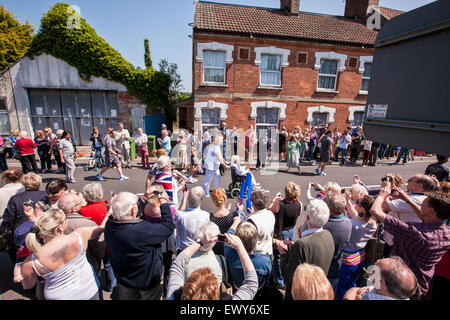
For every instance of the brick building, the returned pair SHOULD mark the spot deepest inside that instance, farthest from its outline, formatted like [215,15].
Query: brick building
[273,67]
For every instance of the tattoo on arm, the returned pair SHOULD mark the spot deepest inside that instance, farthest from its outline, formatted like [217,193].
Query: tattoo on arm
[60,253]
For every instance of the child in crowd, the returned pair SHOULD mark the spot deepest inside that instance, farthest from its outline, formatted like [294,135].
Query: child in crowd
[94,161]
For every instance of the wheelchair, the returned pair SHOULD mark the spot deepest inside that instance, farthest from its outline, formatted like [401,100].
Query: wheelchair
[236,182]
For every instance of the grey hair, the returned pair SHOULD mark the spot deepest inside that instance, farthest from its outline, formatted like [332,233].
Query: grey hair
[318,213]
[399,279]
[93,192]
[162,162]
[67,202]
[336,203]
[23,134]
[195,197]
[122,204]
[209,229]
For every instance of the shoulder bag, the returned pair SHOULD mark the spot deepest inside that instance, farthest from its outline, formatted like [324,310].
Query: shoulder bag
[225,286]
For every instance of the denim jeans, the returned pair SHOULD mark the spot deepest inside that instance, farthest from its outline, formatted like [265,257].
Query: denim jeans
[302,151]
[344,154]
[3,164]
[276,267]
[110,279]
[403,153]
[311,152]
[99,155]
[382,151]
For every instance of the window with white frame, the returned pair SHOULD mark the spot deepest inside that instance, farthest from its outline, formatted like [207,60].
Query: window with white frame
[366,76]
[270,70]
[328,74]
[358,118]
[319,118]
[214,67]
[266,119]
[210,118]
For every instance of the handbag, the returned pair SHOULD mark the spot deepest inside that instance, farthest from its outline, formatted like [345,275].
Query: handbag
[374,248]
[6,236]
[225,286]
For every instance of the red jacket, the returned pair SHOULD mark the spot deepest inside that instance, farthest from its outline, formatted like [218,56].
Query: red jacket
[443,267]
[96,211]
[25,146]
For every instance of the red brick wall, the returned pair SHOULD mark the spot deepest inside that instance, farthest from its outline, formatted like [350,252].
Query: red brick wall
[299,82]
[126,102]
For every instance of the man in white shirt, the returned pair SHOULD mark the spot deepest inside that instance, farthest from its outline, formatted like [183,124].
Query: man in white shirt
[344,141]
[188,221]
[400,209]
[123,142]
[264,220]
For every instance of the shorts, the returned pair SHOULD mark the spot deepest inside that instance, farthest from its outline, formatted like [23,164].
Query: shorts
[324,156]
[112,161]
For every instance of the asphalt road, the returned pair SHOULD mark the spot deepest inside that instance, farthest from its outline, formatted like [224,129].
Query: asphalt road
[271,179]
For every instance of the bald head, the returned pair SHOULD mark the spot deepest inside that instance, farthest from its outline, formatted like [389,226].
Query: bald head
[398,278]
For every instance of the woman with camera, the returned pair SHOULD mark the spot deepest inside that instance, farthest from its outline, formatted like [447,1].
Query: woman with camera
[363,228]
[286,211]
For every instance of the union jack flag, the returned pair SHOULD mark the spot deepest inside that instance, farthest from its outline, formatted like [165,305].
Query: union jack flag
[166,181]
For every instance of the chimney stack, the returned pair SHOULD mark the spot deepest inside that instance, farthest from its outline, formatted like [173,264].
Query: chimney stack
[358,8]
[290,6]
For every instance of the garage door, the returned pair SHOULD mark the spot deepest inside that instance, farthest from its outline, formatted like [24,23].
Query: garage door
[76,111]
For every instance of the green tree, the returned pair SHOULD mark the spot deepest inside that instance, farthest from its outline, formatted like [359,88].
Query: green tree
[147,55]
[84,49]
[15,38]
[175,88]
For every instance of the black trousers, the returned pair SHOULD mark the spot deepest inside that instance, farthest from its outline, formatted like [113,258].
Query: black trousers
[46,159]
[373,156]
[152,293]
[28,163]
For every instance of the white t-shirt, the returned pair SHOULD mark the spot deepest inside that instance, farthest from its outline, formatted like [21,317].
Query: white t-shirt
[401,210]
[265,223]
[343,141]
[211,161]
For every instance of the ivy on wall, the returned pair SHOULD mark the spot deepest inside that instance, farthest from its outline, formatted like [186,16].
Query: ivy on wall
[78,44]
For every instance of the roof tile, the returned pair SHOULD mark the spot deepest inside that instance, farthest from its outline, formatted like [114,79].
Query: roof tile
[221,17]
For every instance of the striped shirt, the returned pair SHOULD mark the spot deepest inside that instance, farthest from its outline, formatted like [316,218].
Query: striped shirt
[420,245]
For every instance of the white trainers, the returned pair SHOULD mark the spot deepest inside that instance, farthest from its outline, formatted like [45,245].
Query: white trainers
[100,177]
[123,178]
[322,174]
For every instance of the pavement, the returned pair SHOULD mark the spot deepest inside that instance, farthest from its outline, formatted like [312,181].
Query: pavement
[273,178]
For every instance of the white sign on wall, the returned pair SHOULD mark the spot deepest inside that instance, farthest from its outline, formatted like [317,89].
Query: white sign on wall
[377,111]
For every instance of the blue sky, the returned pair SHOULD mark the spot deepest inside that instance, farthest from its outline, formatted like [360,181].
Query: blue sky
[125,24]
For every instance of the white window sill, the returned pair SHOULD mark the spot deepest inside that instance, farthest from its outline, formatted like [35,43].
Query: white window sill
[214,85]
[363,92]
[326,90]
[269,87]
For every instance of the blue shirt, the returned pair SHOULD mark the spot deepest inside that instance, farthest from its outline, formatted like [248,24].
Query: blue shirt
[166,144]
[261,262]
